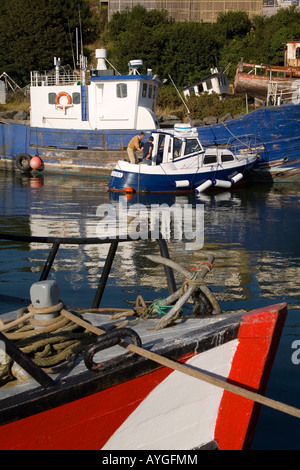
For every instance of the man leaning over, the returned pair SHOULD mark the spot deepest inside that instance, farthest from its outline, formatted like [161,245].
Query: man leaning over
[134,145]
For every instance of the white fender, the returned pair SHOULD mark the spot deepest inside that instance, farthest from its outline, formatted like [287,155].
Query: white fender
[182,184]
[222,184]
[236,178]
[204,186]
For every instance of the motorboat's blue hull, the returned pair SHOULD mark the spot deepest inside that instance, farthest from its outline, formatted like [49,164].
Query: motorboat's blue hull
[172,182]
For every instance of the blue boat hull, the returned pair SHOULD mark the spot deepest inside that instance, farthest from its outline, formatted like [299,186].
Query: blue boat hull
[154,183]
[275,131]
[87,152]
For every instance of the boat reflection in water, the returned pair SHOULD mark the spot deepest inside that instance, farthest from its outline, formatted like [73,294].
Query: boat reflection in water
[253,257]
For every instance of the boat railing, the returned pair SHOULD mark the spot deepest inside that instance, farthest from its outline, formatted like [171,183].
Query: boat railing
[56,242]
[19,356]
[265,70]
[64,77]
[245,144]
[279,94]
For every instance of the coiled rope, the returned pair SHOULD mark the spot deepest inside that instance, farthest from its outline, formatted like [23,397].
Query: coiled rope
[49,343]
[54,344]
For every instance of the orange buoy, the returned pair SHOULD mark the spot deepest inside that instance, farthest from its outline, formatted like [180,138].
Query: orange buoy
[36,163]
[129,190]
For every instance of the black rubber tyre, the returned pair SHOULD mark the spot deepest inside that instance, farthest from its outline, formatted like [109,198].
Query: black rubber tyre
[23,162]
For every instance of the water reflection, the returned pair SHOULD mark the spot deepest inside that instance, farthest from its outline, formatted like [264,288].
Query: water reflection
[253,235]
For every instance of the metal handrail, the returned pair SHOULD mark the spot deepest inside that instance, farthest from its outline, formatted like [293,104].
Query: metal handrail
[57,241]
[13,351]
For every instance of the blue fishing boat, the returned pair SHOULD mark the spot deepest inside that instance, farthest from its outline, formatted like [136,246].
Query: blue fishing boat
[80,119]
[179,163]
[81,122]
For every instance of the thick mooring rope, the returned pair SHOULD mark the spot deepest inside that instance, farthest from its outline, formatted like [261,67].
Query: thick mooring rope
[53,341]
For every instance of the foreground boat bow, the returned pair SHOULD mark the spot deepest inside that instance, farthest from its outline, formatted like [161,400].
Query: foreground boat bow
[194,385]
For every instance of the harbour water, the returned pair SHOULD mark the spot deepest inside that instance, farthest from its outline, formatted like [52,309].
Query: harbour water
[253,233]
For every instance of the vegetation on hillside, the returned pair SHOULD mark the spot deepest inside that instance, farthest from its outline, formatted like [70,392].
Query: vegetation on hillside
[187,50]
[32,32]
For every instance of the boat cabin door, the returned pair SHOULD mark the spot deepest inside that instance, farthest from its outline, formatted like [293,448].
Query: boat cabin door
[99,100]
[114,108]
[163,148]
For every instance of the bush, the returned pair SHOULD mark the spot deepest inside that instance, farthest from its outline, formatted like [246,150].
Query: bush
[211,105]
[168,98]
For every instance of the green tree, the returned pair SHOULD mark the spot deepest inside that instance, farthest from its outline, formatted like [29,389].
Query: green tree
[136,34]
[265,41]
[184,50]
[32,32]
[233,24]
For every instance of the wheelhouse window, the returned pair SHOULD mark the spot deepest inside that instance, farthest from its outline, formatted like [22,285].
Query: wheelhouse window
[209,84]
[298,53]
[227,157]
[160,149]
[177,148]
[144,90]
[121,90]
[210,159]
[192,145]
[150,92]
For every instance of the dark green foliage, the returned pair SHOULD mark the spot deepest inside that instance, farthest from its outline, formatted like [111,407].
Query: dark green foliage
[183,50]
[168,98]
[234,24]
[265,42]
[138,34]
[32,32]
[187,50]
[211,105]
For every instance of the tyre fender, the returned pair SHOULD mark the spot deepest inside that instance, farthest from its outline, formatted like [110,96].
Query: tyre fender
[23,162]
